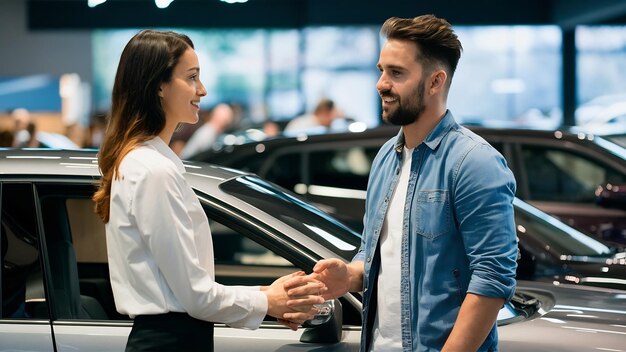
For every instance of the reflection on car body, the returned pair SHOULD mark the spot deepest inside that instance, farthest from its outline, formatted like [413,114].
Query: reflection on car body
[552,251]
[260,232]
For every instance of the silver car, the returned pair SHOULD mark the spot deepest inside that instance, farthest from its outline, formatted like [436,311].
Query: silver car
[56,294]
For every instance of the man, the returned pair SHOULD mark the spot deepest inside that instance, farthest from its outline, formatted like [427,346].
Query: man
[320,120]
[219,119]
[25,129]
[437,259]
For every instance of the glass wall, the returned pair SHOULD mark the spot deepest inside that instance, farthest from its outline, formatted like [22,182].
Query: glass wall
[232,64]
[507,76]
[284,99]
[340,63]
[601,78]
[271,74]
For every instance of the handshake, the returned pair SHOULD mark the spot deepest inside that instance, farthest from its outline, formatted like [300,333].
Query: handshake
[296,298]
[294,302]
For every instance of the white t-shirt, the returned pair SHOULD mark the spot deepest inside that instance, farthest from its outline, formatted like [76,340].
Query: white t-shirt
[160,249]
[387,334]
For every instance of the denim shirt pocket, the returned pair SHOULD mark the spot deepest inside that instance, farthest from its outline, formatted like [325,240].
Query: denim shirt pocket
[433,213]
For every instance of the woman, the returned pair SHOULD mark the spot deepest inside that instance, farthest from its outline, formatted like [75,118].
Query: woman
[158,238]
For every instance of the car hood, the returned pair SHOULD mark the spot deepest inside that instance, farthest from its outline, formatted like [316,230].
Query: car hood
[571,318]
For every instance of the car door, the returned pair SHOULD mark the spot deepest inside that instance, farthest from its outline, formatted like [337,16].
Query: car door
[242,261]
[81,300]
[82,307]
[257,238]
[24,315]
[562,181]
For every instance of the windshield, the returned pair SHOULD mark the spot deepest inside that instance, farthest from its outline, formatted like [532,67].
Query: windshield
[553,234]
[296,213]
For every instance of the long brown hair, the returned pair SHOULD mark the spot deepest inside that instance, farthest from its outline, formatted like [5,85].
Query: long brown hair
[136,112]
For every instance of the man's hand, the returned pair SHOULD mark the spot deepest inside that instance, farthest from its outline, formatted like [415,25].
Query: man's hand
[301,308]
[338,277]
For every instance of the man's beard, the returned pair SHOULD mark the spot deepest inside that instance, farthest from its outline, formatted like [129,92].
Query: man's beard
[408,113]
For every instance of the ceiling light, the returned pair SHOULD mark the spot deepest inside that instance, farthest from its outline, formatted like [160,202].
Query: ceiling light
[94,3]
[162,3]
[234,1]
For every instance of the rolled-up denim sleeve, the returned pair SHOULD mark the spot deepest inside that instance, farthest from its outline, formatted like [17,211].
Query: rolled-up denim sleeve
[484,192]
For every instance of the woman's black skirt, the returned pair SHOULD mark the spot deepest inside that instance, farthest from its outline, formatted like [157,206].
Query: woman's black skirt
[170,332]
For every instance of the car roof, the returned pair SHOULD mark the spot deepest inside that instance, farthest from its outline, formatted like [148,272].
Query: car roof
[385,132]
[389,131]
[57,162]
[75,165]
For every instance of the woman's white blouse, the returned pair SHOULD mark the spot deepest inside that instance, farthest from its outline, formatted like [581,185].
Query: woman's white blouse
[160,249]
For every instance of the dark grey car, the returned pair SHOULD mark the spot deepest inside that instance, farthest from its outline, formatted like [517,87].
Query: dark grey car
[557,171]
[56,294]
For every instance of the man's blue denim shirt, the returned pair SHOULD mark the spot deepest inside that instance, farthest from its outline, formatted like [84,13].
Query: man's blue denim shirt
[459,232]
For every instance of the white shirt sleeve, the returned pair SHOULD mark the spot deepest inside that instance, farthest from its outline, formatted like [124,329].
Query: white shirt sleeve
[159,207]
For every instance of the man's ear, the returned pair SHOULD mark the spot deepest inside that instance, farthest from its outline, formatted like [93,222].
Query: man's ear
[438,81]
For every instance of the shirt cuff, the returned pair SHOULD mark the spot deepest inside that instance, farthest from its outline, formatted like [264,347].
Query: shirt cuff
[359,257]
[492,288]
[258,306]
[248,288]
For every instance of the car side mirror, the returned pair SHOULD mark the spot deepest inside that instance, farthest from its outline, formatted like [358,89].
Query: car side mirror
[328,332]
[611,196]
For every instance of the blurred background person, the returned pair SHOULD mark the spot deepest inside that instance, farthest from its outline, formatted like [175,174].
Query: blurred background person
[184,132]
[24,133]
[271,129]
[320,120]
[216,121]
[27,135]
[6,139]
[95,132]
[240,119]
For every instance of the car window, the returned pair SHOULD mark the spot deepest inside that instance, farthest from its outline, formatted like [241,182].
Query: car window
[76,253]
[342,168]
[545,233]
[23,294]
[560,175]
[89,242]
[232,248]
[285,170]
[81,270]
[241,261]
[302,216]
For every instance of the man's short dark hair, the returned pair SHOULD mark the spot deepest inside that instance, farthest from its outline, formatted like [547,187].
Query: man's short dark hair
[324,105]
[435,39]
